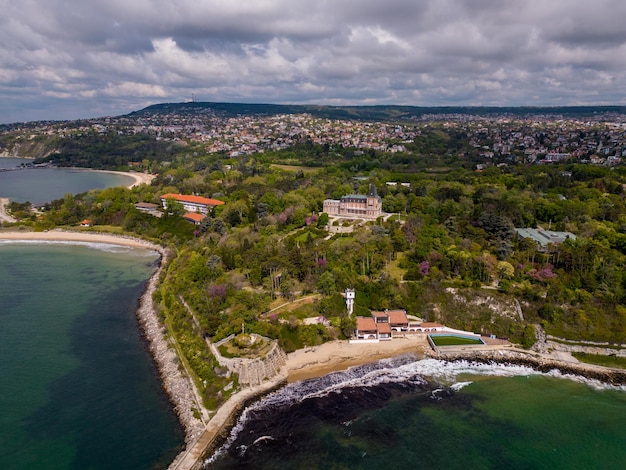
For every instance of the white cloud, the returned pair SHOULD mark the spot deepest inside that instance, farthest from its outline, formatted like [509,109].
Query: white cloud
[110,56]
[126,89]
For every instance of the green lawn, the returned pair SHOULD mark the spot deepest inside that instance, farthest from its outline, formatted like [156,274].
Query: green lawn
[599,360]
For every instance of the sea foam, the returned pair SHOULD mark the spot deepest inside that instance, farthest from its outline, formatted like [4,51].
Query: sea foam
[404,370]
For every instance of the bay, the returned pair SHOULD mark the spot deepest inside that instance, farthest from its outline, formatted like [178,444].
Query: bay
[407,413]
[41,185]
[78,388]
[11,162]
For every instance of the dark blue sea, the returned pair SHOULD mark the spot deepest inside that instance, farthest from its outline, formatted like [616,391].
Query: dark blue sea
[406,413]
[78,388]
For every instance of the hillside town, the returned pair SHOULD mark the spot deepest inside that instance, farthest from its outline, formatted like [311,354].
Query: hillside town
[596,139]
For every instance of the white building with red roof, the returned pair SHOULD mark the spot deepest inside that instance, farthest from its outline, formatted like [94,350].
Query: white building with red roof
[202,205]
[194,217]
[366,328]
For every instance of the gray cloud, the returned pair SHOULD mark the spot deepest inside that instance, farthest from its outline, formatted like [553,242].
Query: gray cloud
[107,57]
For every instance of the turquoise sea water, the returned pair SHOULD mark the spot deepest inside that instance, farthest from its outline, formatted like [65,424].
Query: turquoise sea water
[78,388]
[46,184]
[431,414]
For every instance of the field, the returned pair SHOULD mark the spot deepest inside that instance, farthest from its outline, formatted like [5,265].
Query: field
[296,168]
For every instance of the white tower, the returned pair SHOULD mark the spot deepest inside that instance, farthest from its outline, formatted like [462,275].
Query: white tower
[350,301]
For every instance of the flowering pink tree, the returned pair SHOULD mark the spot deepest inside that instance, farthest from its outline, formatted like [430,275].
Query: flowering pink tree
[424,268]
[542,274]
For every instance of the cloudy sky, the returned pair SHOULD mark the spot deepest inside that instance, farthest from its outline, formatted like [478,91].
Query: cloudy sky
[66,59]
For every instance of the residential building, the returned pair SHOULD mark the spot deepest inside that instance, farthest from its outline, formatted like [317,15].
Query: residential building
[544,237]
[366,328]
[381,324]
[425,327]
[146,207]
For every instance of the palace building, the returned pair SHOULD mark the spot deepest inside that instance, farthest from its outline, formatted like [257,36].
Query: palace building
[356,205]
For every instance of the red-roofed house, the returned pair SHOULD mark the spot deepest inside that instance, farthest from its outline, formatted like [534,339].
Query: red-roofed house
[374,327]
[380,317]
[384,330]
[366,328]
[194,217]
[192,203]
[398,320]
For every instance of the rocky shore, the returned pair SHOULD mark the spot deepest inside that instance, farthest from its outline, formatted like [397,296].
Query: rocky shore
[178,386]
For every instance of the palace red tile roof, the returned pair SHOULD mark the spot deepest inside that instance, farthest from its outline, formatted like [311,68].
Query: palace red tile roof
[384,328]
[193,199]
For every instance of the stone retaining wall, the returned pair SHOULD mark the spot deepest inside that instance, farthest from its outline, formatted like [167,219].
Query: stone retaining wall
[252,372]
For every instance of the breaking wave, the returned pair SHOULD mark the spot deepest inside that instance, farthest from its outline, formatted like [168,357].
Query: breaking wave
[101,246]
[437,377]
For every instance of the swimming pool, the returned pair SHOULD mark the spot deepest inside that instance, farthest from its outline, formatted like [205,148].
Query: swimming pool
[454,339]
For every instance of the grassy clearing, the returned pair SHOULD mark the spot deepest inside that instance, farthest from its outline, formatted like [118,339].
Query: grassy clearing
[233,348]
[99,229]
[296,168]
[606,361]
[394,269]
[301,308]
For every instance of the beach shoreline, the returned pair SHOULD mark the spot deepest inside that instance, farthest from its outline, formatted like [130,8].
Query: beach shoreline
[59,235]
[337,356]
[139,178]
[302,364]
[178,387]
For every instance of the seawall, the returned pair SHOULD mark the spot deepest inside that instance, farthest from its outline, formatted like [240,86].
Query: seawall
[540,363]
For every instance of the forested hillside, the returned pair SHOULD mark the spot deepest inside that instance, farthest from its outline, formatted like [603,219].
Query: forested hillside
[448,252]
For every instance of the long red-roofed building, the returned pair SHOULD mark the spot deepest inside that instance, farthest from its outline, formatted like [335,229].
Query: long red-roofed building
[192,203]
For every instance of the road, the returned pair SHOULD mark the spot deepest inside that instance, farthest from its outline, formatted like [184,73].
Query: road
[4,217]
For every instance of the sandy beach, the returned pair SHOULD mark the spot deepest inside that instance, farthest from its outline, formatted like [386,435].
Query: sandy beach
[68,236]
[140,178]
[339,355]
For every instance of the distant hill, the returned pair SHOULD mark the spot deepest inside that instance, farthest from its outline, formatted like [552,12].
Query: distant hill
[368,113]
